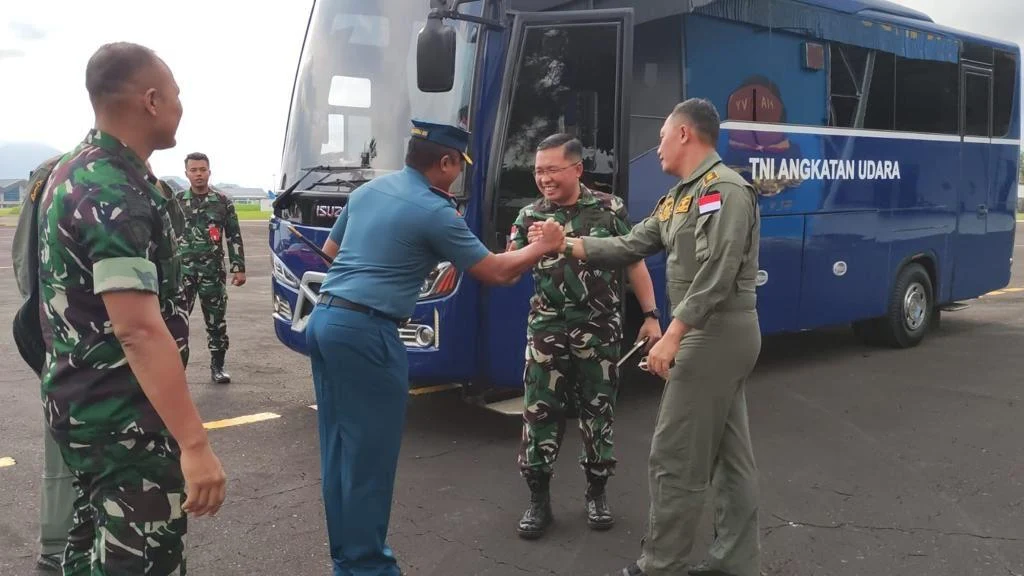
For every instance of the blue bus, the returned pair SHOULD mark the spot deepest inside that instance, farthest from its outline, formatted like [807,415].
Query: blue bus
[885,148]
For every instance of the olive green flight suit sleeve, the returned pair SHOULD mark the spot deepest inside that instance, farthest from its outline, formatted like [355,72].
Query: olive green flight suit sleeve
[722,242]
[618,251]
[233,238]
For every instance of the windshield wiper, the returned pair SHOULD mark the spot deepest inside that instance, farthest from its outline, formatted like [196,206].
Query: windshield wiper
[325,169]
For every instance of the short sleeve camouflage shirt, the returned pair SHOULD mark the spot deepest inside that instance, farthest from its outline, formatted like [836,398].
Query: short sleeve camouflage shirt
[104,227]
[570,290]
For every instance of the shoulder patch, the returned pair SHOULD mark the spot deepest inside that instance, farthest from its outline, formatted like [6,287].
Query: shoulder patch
[710,178]
[709,203]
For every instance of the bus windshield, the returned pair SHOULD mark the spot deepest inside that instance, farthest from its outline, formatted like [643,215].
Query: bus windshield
[355,90]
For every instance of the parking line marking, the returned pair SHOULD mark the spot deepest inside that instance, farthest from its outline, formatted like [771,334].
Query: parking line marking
[432,389]
[240,420]
[6,461]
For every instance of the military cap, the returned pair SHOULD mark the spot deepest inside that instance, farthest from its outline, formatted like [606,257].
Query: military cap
[443,134]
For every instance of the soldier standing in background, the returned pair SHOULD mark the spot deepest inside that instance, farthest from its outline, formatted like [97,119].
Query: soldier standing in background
[210,217]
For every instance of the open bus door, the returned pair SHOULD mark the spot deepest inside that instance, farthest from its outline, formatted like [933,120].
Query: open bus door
[568,72]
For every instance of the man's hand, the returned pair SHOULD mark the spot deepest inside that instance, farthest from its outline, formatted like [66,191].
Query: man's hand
[551,235]
[204,480]
[238,279]
[662,356]
[650,329]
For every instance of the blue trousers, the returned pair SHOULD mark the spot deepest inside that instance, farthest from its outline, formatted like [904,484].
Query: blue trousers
[360,373]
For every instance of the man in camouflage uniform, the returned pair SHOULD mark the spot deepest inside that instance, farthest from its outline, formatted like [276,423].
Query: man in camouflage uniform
[573,335]
[113,387]
[709,227]
[209,217]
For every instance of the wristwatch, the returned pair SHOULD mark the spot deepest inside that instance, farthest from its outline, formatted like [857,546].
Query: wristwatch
[568,248]
[652,314]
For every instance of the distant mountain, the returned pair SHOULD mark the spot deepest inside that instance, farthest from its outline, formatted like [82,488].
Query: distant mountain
[176,183]
[17,159]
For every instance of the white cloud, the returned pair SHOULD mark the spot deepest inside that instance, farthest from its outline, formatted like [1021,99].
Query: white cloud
[234,62]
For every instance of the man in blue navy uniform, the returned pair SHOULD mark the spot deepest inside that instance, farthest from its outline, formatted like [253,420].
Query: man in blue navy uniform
[391,234]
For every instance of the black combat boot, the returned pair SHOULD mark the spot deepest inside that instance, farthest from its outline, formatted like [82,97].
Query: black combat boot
[217,372]
[599,517]
[538,517]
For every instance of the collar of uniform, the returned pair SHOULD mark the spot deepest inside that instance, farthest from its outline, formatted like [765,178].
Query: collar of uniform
[115,147]
[416,175]
[210,195]
[709,162]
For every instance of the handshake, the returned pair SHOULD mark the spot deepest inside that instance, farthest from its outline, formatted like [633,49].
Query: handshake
[549,234]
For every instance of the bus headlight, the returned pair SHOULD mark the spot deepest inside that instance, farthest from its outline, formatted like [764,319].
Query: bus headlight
[440,282]
[284,275]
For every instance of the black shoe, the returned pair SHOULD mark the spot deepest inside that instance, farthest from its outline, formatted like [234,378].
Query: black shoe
[217,373]
[631,570]
[538,517]
[50,562]
[703,569]
[599,517]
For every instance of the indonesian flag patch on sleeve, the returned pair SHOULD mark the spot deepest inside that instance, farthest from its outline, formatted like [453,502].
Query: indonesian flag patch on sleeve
[710,203]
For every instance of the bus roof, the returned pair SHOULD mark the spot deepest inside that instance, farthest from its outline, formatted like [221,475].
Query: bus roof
[886,11]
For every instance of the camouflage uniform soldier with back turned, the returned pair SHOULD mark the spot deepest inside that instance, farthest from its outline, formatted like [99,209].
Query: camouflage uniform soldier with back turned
[209,218]
[113,386]
[574,332]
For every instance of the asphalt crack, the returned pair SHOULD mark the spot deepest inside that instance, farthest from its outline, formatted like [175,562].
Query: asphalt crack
[786,523]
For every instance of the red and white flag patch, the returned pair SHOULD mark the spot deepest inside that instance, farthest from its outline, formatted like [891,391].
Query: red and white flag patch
[710,203]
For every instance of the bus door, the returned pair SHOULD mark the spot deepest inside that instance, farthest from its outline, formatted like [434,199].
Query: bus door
[977,269]
[565,72]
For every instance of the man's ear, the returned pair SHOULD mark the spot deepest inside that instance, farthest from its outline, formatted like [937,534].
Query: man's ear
[149,101]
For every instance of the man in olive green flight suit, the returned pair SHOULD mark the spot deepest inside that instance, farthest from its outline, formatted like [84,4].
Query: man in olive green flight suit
[709,227]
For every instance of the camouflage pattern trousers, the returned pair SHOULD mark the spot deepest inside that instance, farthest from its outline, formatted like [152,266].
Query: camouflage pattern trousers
[210,286]
[128,517]
[569,369]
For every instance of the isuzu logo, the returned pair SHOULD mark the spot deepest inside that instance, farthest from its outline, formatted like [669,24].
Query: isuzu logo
[328,211]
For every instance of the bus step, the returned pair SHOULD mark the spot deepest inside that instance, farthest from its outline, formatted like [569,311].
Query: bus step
[509,407]
[954,307]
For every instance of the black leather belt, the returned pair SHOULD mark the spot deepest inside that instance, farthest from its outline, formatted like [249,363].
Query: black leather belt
[339,302]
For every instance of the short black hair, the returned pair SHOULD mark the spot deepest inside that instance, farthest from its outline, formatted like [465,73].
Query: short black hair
[424,154]
[197,156]
[702,115]
[573,148]
[114,65]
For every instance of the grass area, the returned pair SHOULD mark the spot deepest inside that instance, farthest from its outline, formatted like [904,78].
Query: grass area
[13,211]
[253,214]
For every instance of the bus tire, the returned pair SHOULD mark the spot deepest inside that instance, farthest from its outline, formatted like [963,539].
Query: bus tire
[911,308]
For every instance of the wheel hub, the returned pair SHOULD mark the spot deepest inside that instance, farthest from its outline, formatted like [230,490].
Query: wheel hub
[915,306]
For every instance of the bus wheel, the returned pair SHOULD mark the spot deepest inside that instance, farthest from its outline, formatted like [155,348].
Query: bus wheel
[911,308]
[911,313]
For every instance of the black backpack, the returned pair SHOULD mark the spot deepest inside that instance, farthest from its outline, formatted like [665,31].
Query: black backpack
[28,332]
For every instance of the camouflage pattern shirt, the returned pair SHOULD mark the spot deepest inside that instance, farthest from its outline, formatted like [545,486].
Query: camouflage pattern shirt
[209,219]
[104,227]
[569,290]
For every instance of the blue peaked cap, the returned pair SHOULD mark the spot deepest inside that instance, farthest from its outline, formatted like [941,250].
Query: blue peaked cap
[443,134]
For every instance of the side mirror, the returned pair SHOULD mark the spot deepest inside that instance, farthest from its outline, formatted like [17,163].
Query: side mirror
[435,56]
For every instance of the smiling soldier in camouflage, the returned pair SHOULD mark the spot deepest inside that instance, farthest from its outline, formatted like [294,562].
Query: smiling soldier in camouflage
[574,333]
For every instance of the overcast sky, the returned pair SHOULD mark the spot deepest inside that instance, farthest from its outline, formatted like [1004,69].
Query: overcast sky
[235,94]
